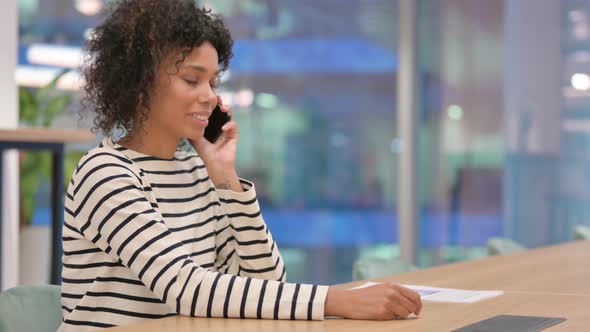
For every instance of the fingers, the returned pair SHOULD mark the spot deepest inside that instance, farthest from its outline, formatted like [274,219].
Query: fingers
[385,302]
[231,126]
[397,310]
[230,131]
[412,296]
[408,304]
[397,298]
[402,301]
[224,108]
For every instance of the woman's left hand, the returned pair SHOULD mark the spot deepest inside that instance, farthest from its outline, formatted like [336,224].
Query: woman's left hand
[220,157]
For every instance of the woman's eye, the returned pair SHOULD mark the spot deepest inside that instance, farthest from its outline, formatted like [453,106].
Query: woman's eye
[191,83]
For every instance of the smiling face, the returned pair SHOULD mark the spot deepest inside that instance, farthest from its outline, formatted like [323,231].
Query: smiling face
[183,95]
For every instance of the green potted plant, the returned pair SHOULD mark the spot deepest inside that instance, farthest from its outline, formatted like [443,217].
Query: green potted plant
[38,108]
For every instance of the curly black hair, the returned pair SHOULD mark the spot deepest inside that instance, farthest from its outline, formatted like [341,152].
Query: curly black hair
[124,52]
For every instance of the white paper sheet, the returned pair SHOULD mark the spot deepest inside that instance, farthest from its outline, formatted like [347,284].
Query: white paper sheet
[448,295]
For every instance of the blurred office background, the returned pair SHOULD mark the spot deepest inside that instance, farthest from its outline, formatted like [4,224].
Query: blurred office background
[503,124]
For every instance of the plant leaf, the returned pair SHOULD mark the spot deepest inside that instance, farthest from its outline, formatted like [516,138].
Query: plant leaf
[55,106]
[44,92]
[28,107]
[30,181]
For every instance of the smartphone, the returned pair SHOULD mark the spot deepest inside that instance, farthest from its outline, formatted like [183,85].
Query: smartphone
[217,119]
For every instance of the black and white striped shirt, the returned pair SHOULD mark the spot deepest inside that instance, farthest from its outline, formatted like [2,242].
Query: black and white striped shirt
[146,237]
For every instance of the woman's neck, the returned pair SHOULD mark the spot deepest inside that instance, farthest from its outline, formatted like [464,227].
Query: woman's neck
[150,144]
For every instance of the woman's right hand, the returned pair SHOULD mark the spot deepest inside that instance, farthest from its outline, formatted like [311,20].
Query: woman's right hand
[379,302]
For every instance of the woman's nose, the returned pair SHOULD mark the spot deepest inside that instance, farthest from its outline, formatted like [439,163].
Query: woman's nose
[211,96]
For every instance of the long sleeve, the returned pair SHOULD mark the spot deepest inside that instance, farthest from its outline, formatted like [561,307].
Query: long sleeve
[247,246]
[111,208]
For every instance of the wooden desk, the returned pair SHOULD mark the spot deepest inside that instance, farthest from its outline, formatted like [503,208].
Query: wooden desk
[54,141]
[562,269]
[46,135]
[551,281]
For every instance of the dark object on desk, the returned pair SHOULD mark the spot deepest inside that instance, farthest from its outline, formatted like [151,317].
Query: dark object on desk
[508,323]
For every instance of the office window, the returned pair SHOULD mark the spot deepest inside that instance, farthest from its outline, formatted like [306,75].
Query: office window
[312,85]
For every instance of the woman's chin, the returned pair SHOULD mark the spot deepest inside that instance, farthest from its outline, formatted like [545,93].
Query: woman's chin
[195,136]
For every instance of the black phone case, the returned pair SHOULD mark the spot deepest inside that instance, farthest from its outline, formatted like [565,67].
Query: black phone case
[216,121]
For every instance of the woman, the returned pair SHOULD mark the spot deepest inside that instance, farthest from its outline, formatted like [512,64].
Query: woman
[151,231]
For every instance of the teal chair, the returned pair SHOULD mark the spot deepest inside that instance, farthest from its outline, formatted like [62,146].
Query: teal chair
[581,232]
[30,309]
[503,246]
[374,267]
